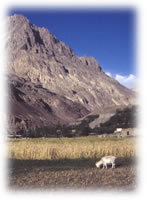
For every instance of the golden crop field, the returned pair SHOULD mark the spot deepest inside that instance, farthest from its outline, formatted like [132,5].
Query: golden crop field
[70,148]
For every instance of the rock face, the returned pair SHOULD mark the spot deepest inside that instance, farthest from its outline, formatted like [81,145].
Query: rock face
[49,84]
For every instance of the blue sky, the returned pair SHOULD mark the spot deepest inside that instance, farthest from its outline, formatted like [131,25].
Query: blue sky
[107,35]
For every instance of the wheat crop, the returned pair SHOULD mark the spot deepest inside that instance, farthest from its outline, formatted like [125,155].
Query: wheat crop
[78,148]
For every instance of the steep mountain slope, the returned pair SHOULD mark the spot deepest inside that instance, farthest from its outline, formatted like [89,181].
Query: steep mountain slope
[49,84]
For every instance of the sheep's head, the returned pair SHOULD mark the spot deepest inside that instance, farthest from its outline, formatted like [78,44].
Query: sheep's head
[98,164]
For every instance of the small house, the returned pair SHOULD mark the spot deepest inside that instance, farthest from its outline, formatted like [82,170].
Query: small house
[127,132]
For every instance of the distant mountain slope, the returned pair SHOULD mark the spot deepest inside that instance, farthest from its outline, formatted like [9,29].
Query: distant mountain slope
[50,84]
[135,89]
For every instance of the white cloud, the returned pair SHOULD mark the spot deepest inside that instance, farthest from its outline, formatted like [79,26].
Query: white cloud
[129,81]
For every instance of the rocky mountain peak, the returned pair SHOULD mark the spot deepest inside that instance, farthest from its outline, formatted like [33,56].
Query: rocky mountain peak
[49,83]
[17,20]
[32,39]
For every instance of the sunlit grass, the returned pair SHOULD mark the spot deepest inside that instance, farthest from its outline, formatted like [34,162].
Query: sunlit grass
[70,148]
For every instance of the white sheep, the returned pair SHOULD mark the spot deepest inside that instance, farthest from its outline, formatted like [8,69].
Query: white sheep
[106,160]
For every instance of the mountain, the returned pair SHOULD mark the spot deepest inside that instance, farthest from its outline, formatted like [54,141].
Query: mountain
[49,84]
[135,89]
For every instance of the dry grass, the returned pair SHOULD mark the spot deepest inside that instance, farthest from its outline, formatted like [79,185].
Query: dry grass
[69,163]
[70,148]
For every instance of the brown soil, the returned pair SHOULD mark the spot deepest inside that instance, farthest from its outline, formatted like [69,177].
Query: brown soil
[71,175]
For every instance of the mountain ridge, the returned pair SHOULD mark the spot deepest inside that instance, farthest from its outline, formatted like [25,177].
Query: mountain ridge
[47,77]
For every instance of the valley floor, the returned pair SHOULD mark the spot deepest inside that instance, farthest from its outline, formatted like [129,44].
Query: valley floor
[71,174]
[69,164]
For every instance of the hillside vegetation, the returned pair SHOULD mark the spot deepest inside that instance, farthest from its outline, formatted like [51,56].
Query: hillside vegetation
[125,118]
